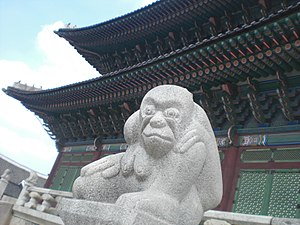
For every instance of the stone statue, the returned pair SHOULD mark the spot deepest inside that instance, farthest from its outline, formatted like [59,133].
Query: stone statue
[33,178]
[171,169]
[6,175]
[4,180]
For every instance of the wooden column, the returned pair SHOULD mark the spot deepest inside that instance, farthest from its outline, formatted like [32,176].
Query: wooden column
[53,171]
[229,173]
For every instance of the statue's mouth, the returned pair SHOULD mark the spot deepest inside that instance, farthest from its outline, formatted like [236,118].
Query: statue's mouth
[159,134]
[156,135]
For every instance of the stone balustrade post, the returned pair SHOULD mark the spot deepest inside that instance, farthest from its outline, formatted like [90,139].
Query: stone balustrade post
[29,182]
[35,200]
[24,195]
[48,203]
[5,177]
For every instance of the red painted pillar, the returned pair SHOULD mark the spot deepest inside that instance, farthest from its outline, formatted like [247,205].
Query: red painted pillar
[53,171]
[229,167]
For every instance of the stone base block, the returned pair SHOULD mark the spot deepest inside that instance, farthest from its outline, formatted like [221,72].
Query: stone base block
[78,212]
[5,212]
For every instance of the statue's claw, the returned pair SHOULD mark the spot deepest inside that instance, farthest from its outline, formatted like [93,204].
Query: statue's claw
[111,171]
[187,141]
[127,161]
[108,166]
[153,203]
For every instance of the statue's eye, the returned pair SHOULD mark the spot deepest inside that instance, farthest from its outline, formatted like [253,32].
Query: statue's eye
[149,110]
[172,113]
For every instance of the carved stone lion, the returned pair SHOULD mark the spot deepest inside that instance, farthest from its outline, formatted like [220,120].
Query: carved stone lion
[171,169]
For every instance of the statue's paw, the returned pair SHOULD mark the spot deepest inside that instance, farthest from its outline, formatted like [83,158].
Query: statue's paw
[128,200]
[111,171]
[132,200]
[127,161]
[108,166]
[156,204]
[127,168]
[187,141]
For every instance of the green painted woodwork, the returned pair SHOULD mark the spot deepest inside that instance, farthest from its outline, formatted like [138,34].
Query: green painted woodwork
[64,177]
[281,139]
[114,147]
[77,157]
[71,174]
[58,178]
[73,158]
[284,194]
[250,192]
[256,155]
[280,129]
[268,192]
[66,157]
[271,155]
[78,148]
[69,169]
[87,157]
[287,155]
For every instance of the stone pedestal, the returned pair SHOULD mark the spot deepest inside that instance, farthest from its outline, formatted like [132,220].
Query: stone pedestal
[5,212]
[3,185]
[5,177]
[78,212]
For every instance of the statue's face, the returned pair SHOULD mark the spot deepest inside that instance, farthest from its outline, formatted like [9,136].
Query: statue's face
[164,114]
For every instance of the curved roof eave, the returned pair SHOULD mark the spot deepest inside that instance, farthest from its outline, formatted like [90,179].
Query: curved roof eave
[253,25]
[111,21]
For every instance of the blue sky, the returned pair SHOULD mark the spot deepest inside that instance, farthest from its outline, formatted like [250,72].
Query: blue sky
[32,53]
[20,21]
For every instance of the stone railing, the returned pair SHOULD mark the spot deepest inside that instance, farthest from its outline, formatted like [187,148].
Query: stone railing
[40,204]
[37,205]
[213,217]
[42,199]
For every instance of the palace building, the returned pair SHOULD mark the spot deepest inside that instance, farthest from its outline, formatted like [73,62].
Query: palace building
[240,59]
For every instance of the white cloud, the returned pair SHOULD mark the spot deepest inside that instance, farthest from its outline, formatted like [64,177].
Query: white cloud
[35,152]
[63,63]
[22,137]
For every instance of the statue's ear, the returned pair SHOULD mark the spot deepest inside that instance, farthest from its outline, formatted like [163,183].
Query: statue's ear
[132,128]
[201,117]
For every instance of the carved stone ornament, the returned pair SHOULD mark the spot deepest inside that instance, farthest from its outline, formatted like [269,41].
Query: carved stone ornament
[170,173]
[33,178]
[6,175]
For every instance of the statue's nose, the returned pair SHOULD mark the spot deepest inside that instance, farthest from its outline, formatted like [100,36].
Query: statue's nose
[158,121]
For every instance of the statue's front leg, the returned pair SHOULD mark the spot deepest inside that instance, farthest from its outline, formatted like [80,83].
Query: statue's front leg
[101,180]
[157,204]
[109,166]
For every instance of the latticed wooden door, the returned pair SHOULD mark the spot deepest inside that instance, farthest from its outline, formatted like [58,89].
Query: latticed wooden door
[268,192]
